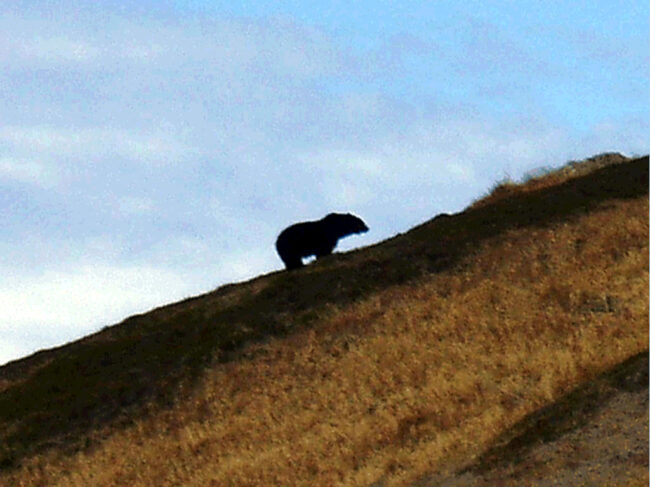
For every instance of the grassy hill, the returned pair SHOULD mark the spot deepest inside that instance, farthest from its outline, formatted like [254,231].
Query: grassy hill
[418,358]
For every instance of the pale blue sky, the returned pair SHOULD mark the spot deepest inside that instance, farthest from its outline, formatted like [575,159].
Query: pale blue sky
[152,152]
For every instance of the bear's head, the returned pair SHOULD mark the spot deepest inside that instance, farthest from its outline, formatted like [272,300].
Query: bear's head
[343,224]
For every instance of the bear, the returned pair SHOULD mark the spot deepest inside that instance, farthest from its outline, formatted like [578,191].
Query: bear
[315,237]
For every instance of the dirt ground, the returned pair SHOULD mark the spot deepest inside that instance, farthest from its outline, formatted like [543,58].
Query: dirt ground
[595,436]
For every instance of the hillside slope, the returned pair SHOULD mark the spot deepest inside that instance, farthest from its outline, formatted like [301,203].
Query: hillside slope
[379,365]
[595,435]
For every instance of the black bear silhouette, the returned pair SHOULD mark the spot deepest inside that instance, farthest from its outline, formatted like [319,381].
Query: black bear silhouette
[316,237]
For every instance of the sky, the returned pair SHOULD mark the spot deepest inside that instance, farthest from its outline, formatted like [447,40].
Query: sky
[154,152]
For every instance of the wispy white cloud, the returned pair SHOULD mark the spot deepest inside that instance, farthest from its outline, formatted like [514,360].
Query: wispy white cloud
[78,297]
[94,143]
[427,153]
[211,46]
[57,49]
[26,171]
[135,205]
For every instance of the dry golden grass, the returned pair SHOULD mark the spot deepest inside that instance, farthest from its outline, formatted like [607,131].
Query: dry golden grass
[595,435]
[412,379]
[547,177]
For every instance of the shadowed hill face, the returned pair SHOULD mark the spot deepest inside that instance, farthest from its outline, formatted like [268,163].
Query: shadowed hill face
[597,431]
[60,395]
[572,411]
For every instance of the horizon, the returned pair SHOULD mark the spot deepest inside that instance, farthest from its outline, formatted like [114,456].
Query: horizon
[153,153]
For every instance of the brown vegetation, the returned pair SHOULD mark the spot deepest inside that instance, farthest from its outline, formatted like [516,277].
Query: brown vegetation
[595,435]
[381,366]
